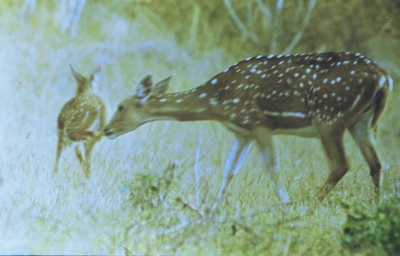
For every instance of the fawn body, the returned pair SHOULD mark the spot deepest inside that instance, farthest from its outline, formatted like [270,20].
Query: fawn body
[81,121]
[309,95]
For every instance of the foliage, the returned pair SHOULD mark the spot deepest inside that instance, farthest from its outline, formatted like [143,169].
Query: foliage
[271,26]
[147,191]
[377,228]
[143,190]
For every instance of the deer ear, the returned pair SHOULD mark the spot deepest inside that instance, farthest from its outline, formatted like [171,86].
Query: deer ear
[78,77]
[162,86]
[144,87]
[95,77]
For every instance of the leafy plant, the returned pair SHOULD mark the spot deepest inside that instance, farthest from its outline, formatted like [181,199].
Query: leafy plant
[378,228]
[143,189]
[148,190]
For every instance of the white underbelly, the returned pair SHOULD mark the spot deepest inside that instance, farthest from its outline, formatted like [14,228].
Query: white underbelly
[308,131]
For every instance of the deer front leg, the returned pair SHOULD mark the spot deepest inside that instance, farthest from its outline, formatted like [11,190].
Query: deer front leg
[233,164]
[264,141]
[80,135]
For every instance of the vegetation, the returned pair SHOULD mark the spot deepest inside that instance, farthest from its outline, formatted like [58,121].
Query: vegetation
[379,228]
[151,190]
[272,26]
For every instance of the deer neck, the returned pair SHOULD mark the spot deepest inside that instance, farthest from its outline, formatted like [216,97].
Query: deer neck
[183,106]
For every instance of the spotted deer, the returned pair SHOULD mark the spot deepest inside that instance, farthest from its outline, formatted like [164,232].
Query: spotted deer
[310,95]
[81,121]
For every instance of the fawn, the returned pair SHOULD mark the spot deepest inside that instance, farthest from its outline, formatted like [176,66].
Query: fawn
[81,121]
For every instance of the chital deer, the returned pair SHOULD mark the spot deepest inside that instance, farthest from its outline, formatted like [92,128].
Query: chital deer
[81,121]
[309,95]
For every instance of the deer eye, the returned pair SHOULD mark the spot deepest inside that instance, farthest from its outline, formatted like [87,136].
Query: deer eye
[120,108]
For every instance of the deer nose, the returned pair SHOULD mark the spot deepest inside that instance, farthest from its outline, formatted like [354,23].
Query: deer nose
[107,132]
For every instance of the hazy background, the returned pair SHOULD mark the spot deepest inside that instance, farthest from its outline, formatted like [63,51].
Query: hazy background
[120,206]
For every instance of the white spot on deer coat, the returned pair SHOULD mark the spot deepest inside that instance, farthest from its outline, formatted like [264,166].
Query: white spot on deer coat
[213,101]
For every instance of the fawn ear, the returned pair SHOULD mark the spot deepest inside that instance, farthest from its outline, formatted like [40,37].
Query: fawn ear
[78,77]
[95,77]
[144,87]
[162,86]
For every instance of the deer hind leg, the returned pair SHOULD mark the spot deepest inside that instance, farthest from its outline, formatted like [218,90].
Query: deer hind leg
[88,138]
[364,136]
[89,145]
[233,164]
[79,155]
[58,155]
[264,141]
[332,142]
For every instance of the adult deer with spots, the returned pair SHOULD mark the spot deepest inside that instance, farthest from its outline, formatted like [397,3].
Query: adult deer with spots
[309,95]
[81,121]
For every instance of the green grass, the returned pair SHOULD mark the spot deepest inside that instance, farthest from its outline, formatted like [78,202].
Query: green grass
[66,214]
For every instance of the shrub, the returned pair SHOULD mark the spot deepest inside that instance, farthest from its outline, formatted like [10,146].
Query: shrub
[379,228]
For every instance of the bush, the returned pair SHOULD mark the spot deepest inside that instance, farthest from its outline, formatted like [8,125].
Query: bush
[379,228]
[147,191]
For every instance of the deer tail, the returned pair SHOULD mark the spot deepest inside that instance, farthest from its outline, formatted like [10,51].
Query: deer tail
[386,85]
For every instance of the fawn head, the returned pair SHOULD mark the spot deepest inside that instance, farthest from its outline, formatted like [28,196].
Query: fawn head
[134,111]
[86,85]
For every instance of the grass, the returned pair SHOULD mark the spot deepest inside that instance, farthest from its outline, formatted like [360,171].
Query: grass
[109,214]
